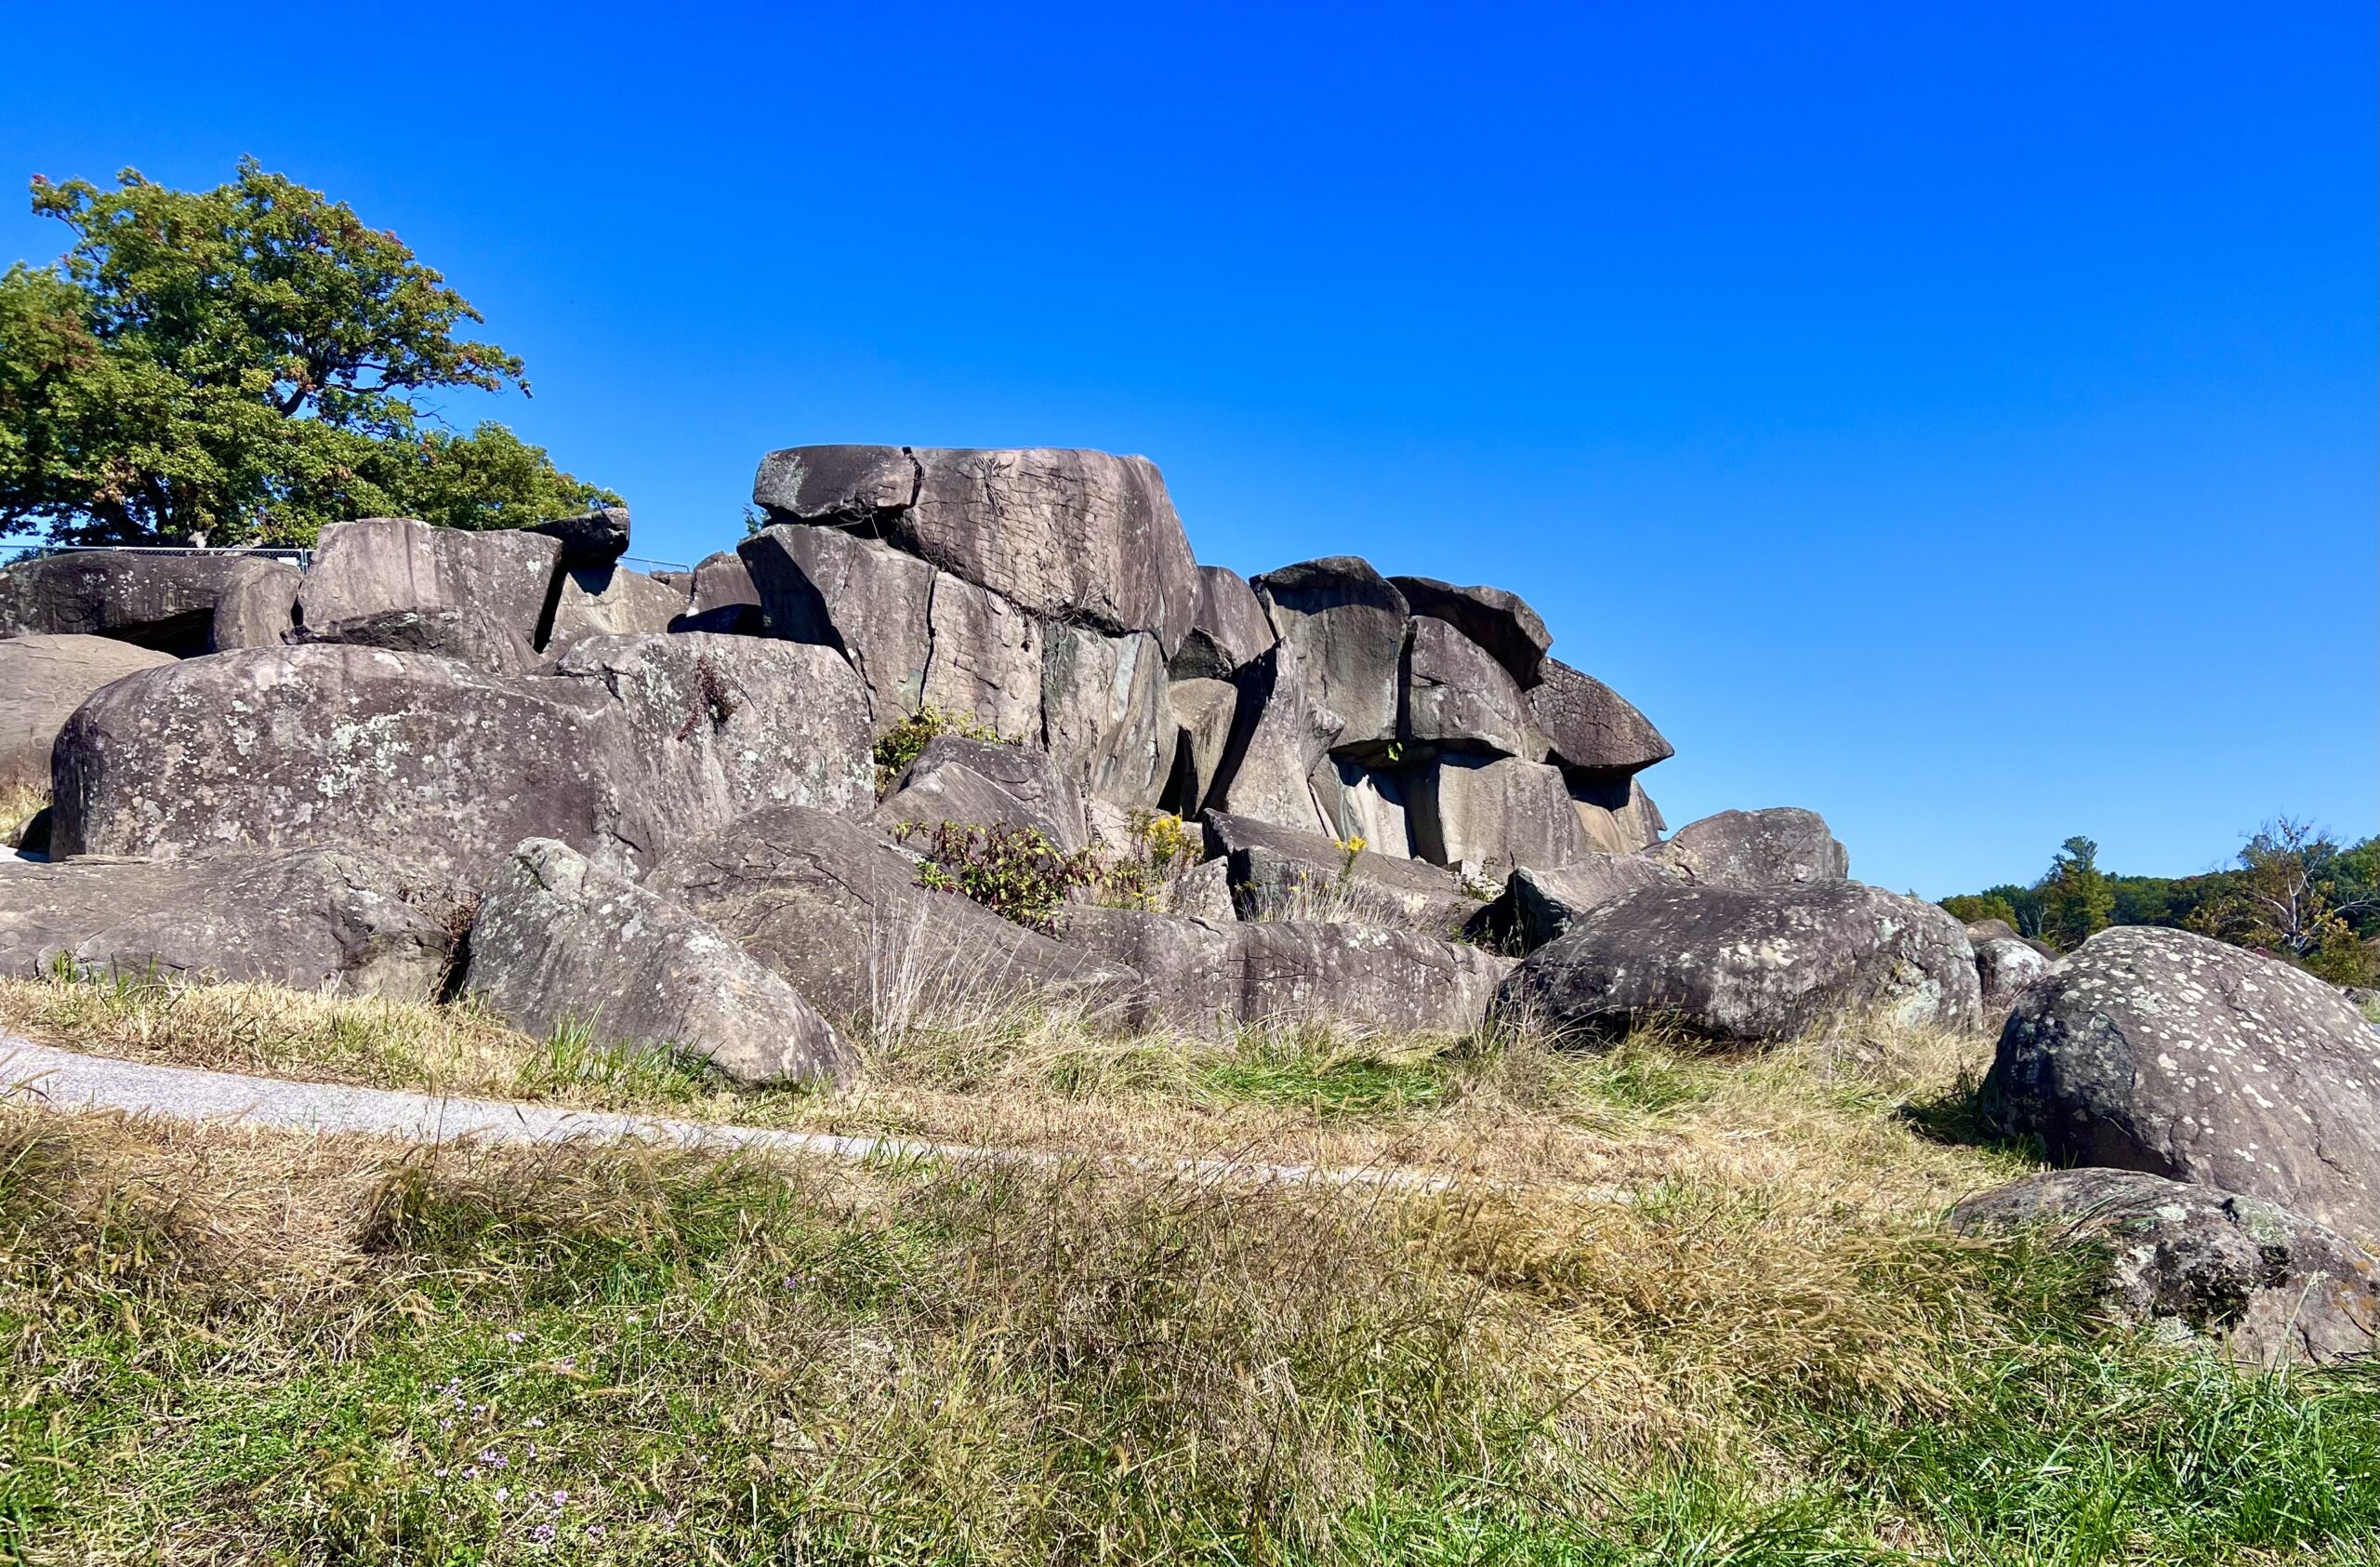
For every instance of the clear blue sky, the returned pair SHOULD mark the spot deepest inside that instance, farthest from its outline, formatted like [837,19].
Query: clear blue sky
[1957,419]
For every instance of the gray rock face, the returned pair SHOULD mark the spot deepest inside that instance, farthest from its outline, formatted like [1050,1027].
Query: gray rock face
[1080,536]
[1782,846]
[866,599]
[2006,967]
[1209,977]
[838,913]
[976,783]
[1282,873]
[1203,892]
[1616,817]
[1537,907]
[984,657]
[488,591]
[600,599]
[182,604]
[2157,1050]
[1360,801]
[561,940]
[1750,966]
[1279,736]
[1458,697]
[724,599]
[1347,626]
[1103,714]
[1228,633]
[308,919]
[2268,1286]
[595,538]
[1201,712]
[1496,813]
[43,680]
[446,767]
[1592,731]
[1500,622]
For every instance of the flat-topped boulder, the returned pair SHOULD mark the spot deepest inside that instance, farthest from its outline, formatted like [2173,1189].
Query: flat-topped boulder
[311,919]
[1081,536]
[1500,622]
[1537,905]
[980,783]
[182,604]
[402,584]
[43,679]
[596,537]
[1347,627]
[1283,873]
[1750,966]
[1781,846]
[2157,1050]
[1591,730]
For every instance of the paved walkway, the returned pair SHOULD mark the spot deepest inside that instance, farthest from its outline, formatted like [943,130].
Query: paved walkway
[69,1080]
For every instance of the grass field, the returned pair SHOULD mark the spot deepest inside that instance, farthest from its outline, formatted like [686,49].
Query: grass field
[221,1345]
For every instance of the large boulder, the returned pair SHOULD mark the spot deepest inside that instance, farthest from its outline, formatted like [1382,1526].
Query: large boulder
[866,599]
[2006,966]
[403,585]
[2192,1261]
[182,604]
[838,914]
[1591,731]
[306,919]
[1366,803]
[594,538]
[985,657]
[1495,812]
[1457,696]
[559,940]
[1229,630]
[1497,621]
[2157,1050]
[1201,712]
[1280,734]
[1617,815]
[611,598]
[1282,873]
[1537,907]
[1782,846]
[43,680]
[1080,536]
[1749,968]
[1209,977]
[723,598]
[978,783]
[1347,625]
[639,742]
[1103,714]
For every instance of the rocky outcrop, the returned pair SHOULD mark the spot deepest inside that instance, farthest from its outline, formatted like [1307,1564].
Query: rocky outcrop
[1537,907]
[403,585]
[1495,812]
[2006,967]
[1281,736]
[600,599]
[560,941]
[1593,732]
[1281,873]
[2266,1285]
[1080,536]
[838,914]
[1458,697]
[642,742]
[1366,803]
[1229,631]
[866,599]
[1104,715]
[1347,627]
[723,598]
[977,783]
[182,604]
[1500,622]
[2156,1050]
[1201,712]
[595,538]
[1782,846]
[308,919]
[1210,977]
[43,680]
[1616,818]
[1750,967]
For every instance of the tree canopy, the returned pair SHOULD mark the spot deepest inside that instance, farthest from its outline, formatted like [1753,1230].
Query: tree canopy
[247,363]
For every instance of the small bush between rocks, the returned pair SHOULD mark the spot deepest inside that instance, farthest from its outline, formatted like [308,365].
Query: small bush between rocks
[907,740]
[1014,871]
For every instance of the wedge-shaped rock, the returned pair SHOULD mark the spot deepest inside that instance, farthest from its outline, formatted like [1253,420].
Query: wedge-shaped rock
[592,539]
[1458,697]
[1076,536]
[308,919]
[1496,813]
[866,599]
[2268,1286]
[394,576]
[2157,1050]
[724,599]
[1104,715]
[1500,622]
[1201,712]
[1209,977]
[1229,631]
[641,742]
[1366,803]
[1537,907]
[1781,846]
[609,598]
[1750,966]
[976,783]
[559,940]
[182,604]
[1279,736]
[1617,815]
[43,680]
[838,914]
[1591,731]
[1281,873]
[1347,626]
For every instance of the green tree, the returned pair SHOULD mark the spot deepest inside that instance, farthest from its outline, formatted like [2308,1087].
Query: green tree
[1967,908]
[2294,895]
[2077,898]
[246,363]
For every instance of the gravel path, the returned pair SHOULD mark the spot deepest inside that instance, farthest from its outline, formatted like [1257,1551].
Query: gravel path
[68,1080]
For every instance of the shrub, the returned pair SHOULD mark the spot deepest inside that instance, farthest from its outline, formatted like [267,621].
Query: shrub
[906,741]
[1014,871]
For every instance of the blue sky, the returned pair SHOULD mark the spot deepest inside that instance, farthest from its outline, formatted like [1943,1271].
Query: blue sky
[1960,419]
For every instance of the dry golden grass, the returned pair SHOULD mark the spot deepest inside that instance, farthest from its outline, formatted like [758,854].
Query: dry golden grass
[18,804]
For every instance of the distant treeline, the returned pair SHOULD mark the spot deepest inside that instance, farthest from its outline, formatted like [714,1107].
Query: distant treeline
[2295,893]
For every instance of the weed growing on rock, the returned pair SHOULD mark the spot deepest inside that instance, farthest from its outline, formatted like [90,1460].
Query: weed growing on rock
[907,740]
[1015,871]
